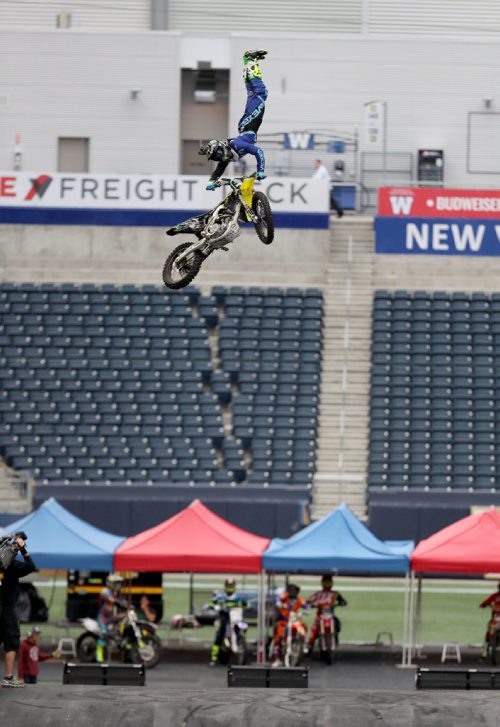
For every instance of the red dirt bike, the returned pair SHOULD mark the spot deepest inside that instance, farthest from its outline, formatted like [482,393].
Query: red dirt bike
[494,640]
[327,634]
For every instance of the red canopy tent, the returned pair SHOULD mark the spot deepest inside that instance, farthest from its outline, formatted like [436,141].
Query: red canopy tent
[195,540]
[471,545]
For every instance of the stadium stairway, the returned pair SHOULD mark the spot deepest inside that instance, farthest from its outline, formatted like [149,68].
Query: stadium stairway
[343,421]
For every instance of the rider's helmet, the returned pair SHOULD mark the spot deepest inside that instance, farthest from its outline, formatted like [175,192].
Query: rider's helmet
[217,151]
[326,581]
[293,590]
[229,586]
[114,581]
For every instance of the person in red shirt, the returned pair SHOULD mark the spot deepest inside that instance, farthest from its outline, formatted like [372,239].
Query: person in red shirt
[30,656]
[288,602]
[494,602]
[326,598]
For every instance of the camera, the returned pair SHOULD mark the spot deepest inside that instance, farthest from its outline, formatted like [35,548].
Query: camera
[9,548]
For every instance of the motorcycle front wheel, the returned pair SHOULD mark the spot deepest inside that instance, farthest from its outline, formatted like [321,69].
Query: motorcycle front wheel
[86,648]
[264,227]
[327,653]
[178,275]
[494,649]
[241,656]
[149,653]
[293,657]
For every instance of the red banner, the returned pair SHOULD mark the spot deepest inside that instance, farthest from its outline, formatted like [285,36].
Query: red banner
[438,202]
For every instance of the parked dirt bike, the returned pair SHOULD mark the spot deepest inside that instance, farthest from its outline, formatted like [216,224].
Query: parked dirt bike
[327,634]
[217,228]
[136,640]
[234,645]
[494,641]
[294,639]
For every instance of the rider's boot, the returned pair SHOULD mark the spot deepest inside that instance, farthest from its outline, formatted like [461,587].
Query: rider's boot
[99,652]
[254,55]
[214,656]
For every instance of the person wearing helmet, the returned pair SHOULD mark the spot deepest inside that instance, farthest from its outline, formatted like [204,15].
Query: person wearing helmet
[108,604]
[286,603]
[494,623]
[224,152]
[223,603]
[326,598]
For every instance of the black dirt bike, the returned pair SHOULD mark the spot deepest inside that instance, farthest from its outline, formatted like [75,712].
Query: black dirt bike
[217,228]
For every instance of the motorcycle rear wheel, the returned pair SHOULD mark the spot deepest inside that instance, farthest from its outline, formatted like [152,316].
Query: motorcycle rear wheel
[86,648]
[265,225]
[176,277]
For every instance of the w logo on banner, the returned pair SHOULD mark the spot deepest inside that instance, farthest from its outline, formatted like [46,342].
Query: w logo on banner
[298,140]
[401,205]
[38,186]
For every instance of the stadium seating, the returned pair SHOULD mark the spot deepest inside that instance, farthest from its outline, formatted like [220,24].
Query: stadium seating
[126,385]
[435,392]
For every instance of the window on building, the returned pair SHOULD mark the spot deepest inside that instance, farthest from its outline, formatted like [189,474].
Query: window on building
[72,154]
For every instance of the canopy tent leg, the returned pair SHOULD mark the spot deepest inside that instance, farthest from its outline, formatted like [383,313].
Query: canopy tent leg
[261,617]
[405,621]
[409,626]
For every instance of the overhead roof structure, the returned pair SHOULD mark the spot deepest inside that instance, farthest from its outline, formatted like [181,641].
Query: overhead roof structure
[195,540]
[59,540]
[338,542]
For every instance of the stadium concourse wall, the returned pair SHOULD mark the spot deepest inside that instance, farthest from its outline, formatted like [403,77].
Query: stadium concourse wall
[135,508]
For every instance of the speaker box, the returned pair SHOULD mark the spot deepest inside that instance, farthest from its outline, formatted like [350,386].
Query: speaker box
[105,674]
[454,679]
[262,677]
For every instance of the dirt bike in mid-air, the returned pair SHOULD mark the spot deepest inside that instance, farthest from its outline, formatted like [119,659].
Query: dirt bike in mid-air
[217,228]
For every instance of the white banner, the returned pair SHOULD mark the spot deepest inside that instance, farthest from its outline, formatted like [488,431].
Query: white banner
[374,125]
[149,192]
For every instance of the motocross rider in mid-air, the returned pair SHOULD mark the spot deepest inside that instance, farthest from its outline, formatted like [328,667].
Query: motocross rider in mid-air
[224,152]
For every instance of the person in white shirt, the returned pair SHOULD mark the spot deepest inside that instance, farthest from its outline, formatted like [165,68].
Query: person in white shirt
[321,172]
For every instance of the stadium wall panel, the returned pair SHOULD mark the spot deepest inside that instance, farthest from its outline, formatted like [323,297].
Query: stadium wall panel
[129,510]
[80,82]
[417,515]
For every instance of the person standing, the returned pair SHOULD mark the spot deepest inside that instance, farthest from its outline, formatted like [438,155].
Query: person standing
[9,594]
[30,656]
[321,172]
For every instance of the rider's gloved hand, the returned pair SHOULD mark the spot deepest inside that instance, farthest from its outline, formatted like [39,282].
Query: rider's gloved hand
[260,175]
[212,185]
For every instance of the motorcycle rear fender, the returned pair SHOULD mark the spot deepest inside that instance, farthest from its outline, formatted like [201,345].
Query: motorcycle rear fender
[193,224]
[91,625]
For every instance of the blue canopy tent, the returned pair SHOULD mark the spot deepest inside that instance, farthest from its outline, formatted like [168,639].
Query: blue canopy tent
[58,540]
[338,542]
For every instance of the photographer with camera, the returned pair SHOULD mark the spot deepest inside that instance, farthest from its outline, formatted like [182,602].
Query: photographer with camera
[12,569]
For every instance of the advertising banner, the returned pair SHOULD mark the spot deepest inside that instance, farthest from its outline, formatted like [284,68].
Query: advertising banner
[438,221]
[146,200]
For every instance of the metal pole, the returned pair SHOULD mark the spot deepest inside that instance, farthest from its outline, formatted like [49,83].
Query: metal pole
[405,621]
[384,153]
[411,620]
[261,642]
